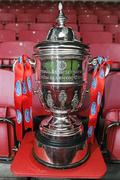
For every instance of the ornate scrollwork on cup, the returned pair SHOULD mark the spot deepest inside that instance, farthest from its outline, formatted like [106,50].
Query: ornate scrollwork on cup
[49,100]
[62,97]
[75,100]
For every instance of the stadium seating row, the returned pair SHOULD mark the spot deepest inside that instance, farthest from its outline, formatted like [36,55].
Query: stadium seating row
[50,18]
[113,28]
[38,36]
[75,7]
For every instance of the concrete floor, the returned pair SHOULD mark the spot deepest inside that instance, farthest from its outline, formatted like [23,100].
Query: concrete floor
[5,170]
[113,173]
[6,173]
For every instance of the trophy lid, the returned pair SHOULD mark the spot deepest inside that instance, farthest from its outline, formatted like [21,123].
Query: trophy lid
[61,37]
[61,33]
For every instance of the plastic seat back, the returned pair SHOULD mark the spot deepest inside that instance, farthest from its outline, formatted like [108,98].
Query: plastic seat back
[91,27]
[102,12]
[7,116]
[40,26]
[88,18]
[109,50]
[108,19]
[7,35]
[26,18]
[111,111]
[113,28]
[46,18]
[16,27]
[71,18]
[97,37]
[11,50]
[7,17]
[117,37]
[35,36]
[85,11]
[16,11]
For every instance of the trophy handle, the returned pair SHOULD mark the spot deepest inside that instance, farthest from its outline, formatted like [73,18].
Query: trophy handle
[85,80]
[94,61]
[37,67]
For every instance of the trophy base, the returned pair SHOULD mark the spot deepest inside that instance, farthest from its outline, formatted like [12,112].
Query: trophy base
[24,164]
[60,152]
[80,157]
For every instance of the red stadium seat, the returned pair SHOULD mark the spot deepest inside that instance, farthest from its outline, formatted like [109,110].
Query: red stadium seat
[97,8]
[1,26]
[48,26]
[33,11]
[84,11]
[108,19]
[7,17]
[117,13]
[35,36]
[113,28]
[3,10]
[97,37]
[16,27]
[7,116]
[88,18]
[68,12]
[6,94]
[40,26]
[90,27]
[102,12]
[7,35]
[71,18]
[26,18]
[16,11]
[49,11]
[14,49]
[111,97]
[111,114]
[11,50]
[46,18]
[108,50]
[117,37]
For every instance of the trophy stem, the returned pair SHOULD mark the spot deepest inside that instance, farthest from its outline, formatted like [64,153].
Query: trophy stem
[61,119]
[62,124]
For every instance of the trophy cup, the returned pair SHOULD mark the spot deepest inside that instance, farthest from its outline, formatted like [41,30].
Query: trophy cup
[61,141]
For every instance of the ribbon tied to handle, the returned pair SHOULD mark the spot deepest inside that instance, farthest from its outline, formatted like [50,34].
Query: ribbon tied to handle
[23,95]
[101,70]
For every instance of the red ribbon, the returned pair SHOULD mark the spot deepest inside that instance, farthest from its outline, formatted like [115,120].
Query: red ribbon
[96,93]
[23,95]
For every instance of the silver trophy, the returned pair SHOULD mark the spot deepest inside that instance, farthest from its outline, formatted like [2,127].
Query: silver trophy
[61,141]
